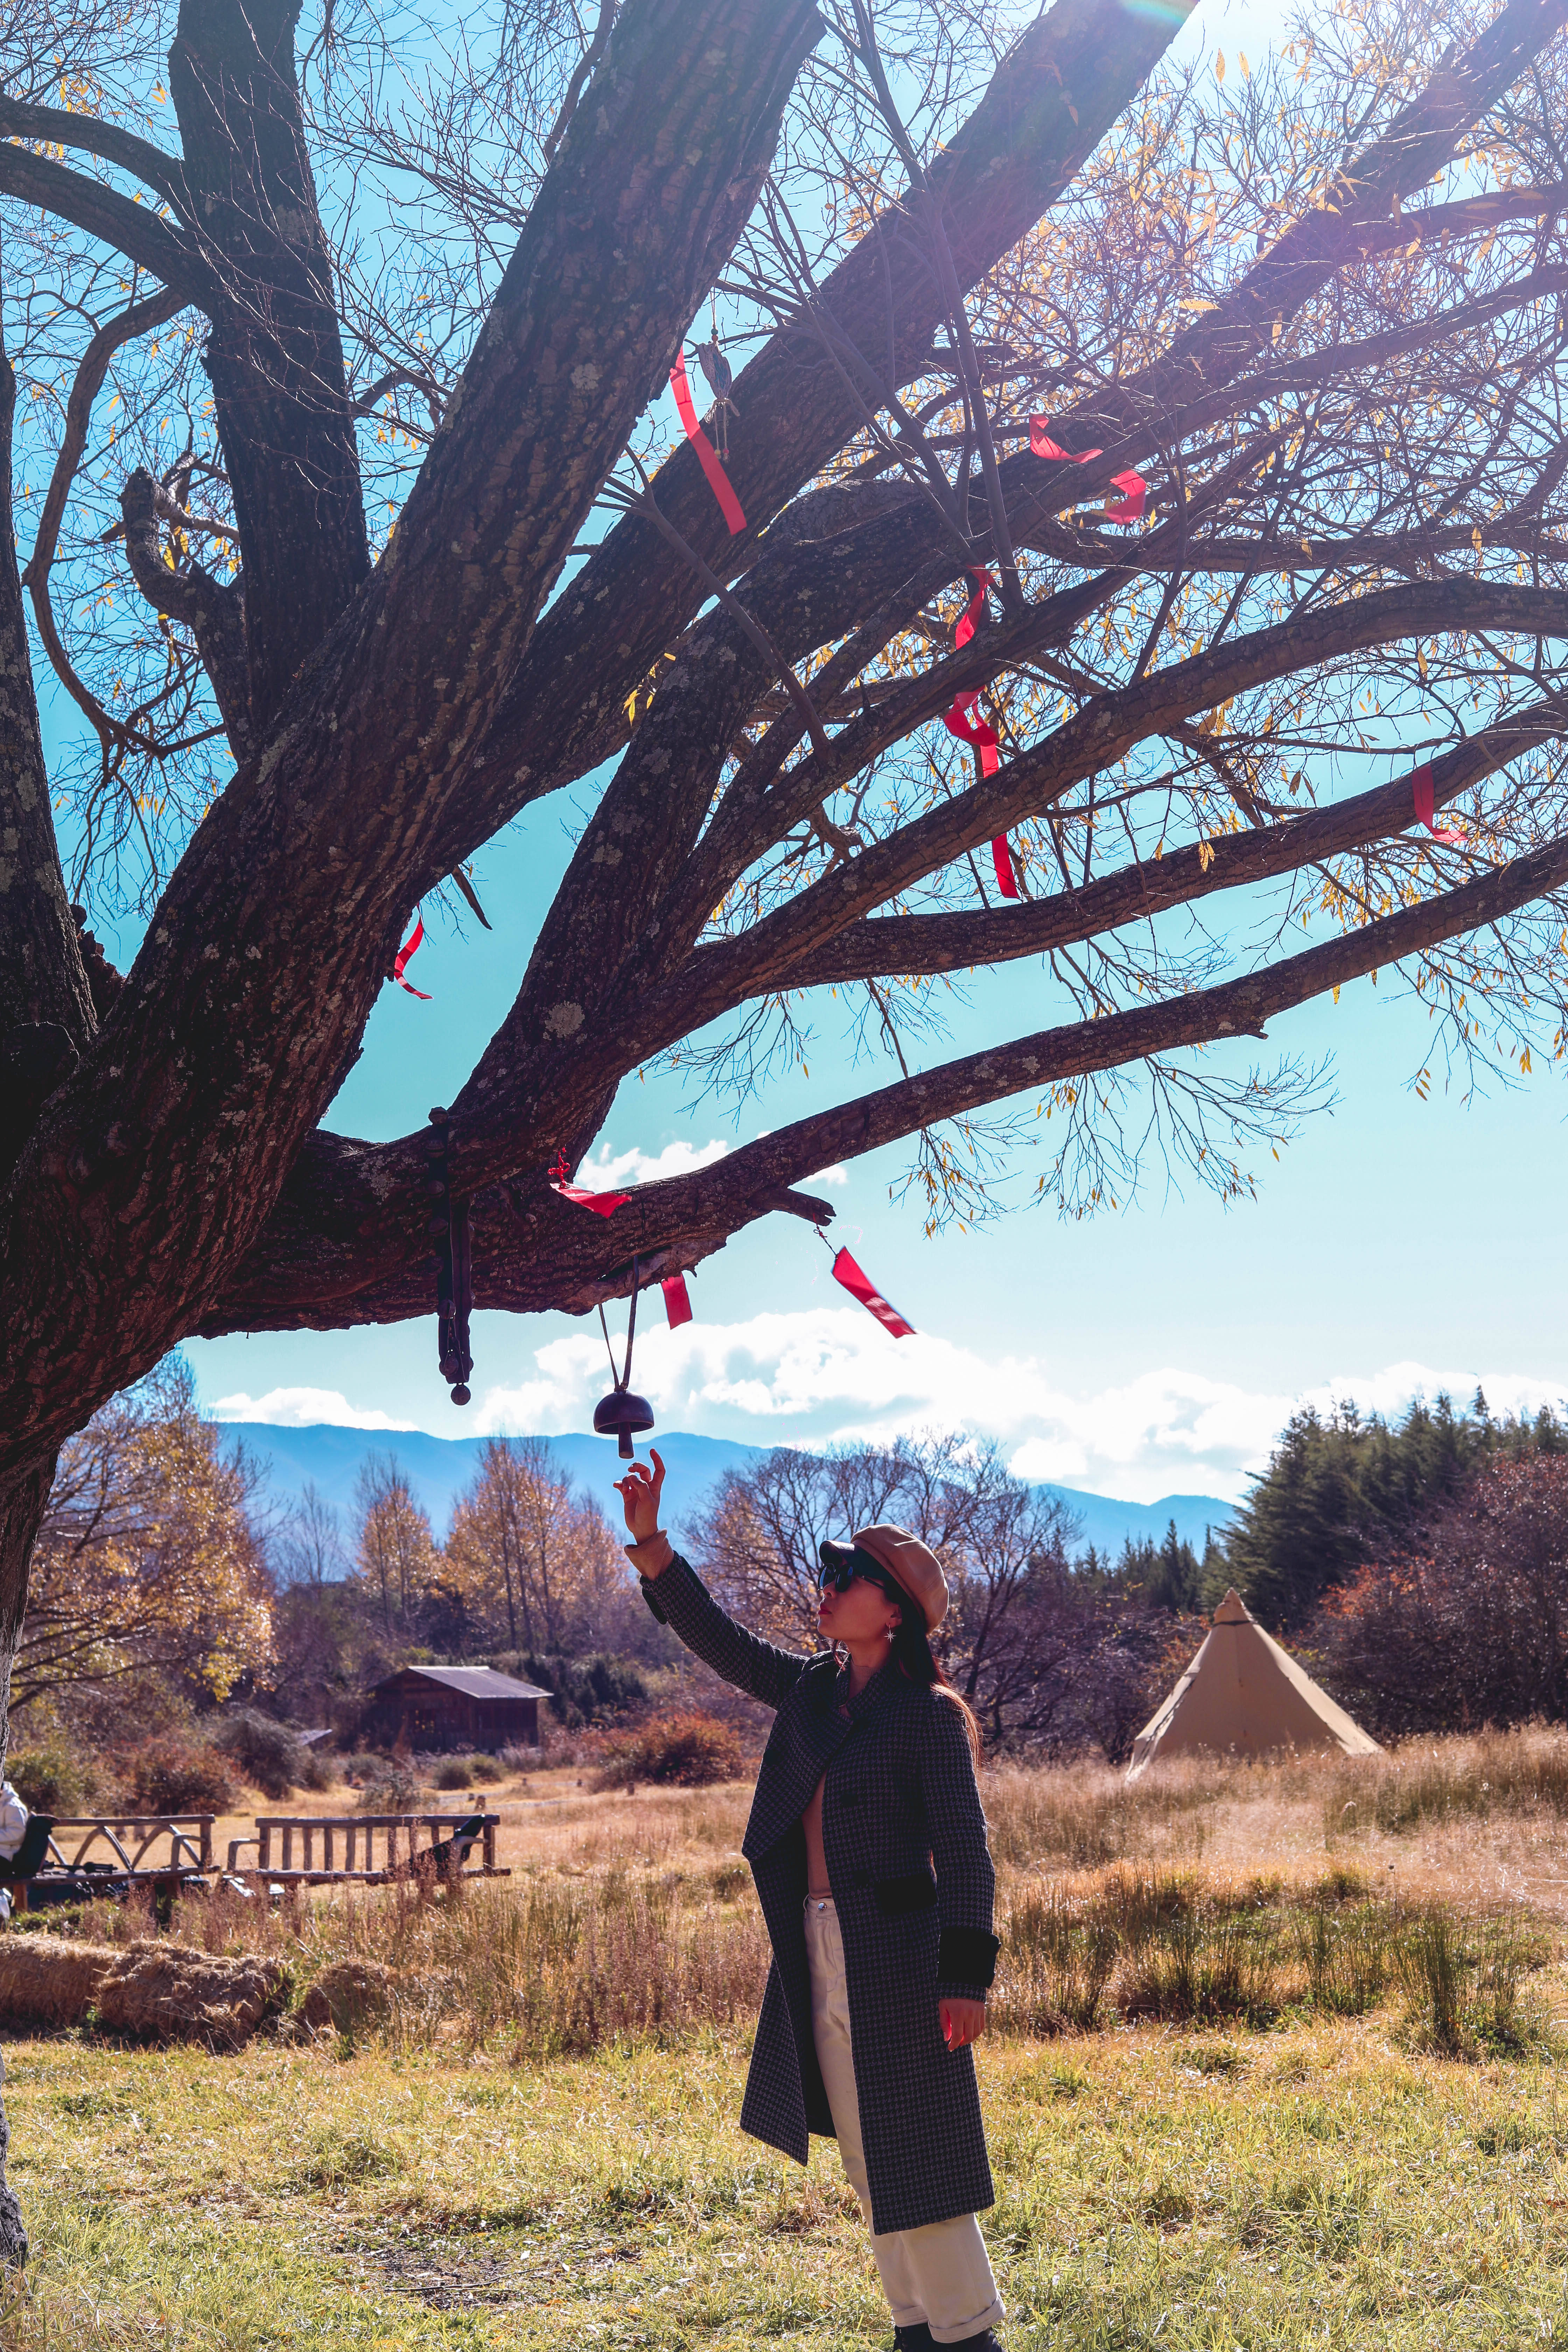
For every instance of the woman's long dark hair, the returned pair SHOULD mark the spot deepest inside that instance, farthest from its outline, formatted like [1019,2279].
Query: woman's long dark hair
[912,1654]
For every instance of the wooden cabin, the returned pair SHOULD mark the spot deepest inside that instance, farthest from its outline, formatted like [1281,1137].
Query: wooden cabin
[444,1708]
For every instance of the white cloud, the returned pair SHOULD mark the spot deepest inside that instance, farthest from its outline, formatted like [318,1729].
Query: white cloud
[612,1171]
[299,1408]
[838,1176]
[829,1373]
[1390,1390]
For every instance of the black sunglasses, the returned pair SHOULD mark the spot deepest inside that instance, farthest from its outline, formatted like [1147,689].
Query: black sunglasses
[842,1563]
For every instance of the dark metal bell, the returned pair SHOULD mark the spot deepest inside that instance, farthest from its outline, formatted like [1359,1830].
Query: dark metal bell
[619,1414]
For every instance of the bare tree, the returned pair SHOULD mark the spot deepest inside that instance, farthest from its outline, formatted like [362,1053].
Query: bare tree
[310,1541]
[1022,1635]
[349,539]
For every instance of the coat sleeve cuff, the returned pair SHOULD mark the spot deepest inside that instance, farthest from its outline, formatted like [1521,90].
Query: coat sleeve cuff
[966,1962]
[652,1556]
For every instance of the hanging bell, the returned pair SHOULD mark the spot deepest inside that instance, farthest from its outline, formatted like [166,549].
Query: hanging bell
[622,1415]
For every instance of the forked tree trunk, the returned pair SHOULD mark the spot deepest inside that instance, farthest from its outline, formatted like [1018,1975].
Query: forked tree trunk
[22,1502]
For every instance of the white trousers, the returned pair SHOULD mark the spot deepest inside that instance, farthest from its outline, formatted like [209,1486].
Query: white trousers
[941,2273]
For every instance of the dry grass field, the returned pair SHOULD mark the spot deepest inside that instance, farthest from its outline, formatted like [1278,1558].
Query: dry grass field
[1274,2064]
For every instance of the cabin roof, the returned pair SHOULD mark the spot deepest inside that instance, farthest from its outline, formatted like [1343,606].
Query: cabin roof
[472,1681]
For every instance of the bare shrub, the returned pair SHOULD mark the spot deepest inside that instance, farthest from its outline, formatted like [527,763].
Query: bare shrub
[271,1754]
[394,1787]
[688,1750]
[176,1775]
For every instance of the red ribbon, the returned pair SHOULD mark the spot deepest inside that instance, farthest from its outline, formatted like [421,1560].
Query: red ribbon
[983,583]
[707,455]
[982,735]
[1133,485]
[677,1304]
[978,732]
[1002,858]
[604,1204]
[846,1271]
[400,960]
[1422,795]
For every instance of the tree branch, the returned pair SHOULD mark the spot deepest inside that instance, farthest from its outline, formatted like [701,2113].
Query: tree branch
[533,1251]
[42,981]
[53,125]
[214,613]
[1006,167]
[889,946]
[134,230]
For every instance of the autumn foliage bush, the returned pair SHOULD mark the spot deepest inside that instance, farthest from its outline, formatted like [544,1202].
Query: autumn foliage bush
[51,1779]
[177,1775]
[1466,1623]
[687,1750]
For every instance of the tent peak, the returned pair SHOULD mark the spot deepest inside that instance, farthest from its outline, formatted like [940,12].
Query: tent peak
[1232,1611]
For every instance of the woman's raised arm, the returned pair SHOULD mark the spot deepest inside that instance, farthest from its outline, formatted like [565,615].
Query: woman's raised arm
[678,1598]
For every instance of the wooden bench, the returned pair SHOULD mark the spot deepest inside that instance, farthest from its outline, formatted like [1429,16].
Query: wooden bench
[354,1838]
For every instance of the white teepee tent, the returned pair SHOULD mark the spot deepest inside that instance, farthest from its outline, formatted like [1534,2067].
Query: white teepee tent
[1243,1695]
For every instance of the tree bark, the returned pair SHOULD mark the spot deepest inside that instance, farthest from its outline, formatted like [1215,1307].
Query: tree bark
[275,353]
[41,973]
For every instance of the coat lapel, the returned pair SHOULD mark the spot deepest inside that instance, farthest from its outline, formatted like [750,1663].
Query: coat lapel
[811,1727]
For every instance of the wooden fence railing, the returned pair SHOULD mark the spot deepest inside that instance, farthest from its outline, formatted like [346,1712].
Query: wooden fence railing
[124,1840]
[347,1846]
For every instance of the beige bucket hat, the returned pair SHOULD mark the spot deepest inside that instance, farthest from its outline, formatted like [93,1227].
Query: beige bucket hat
[912,1564]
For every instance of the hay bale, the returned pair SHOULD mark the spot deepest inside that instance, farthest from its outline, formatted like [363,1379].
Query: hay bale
[49,1979]
[350,1995]
[174,1994]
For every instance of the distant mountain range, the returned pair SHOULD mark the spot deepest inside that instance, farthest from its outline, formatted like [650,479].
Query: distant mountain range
[438,1468]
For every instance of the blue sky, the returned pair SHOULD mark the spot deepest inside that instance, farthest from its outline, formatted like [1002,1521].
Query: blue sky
[1399,1244]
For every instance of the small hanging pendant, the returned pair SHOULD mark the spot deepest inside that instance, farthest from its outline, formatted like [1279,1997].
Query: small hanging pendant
[721,379]
[454,1271]
[621,1414]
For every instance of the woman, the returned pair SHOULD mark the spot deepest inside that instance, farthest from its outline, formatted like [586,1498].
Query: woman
[881,1963]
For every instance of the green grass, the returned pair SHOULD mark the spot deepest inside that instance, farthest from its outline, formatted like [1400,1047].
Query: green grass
[1314,2186]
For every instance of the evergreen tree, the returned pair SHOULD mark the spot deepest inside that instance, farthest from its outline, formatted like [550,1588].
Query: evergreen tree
[1339,1492]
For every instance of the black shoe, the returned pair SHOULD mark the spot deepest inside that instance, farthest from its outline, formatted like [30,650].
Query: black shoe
[918,2338]
[986,2341]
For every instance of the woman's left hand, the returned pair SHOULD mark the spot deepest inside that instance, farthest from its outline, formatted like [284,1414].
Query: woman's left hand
[963,2022]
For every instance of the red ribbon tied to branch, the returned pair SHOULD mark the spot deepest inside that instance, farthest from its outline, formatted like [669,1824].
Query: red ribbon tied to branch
[978,732]
[983,583]
[604,1204]
[1134,488]
[677,1304]
[400,960]
[1422,795]
[856,1283]
[707,455]
[982,735]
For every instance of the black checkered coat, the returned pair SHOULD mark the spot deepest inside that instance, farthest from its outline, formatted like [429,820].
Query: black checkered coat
[900,1797]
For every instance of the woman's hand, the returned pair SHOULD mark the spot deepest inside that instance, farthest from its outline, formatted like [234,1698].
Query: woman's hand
[639,1492]
[963,2022]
